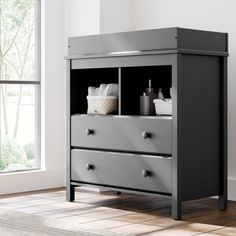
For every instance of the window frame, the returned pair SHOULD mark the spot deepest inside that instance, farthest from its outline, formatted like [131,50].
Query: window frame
[37,83]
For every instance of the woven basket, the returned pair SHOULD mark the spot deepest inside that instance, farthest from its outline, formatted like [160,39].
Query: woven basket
[163,107]
[102,104]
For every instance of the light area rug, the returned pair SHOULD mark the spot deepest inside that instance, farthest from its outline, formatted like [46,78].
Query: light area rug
[14,223]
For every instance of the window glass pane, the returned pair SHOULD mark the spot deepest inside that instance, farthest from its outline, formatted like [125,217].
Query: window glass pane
[19,39]
[19,129]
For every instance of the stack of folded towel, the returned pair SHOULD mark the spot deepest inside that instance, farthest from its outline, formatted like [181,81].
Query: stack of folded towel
[104,90]
[103,100]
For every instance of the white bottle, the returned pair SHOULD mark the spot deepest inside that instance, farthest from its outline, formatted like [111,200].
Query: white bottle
[160,94]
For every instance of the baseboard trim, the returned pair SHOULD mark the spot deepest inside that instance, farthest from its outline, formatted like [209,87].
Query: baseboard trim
[232,189]
[93,189]
[20,182]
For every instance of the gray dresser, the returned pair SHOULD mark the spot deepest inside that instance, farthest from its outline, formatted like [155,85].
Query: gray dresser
[183,155]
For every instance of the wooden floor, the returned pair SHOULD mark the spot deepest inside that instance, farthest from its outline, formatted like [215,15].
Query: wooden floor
[127,213]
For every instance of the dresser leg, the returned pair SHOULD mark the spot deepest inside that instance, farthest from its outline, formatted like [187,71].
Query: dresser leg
[176,209]
[223,202]
[70,193]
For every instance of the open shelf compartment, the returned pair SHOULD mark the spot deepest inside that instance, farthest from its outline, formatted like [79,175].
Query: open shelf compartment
[81,79]
[135,80]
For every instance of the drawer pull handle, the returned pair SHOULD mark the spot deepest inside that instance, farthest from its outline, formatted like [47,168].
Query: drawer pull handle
[146,173]
[90,167]
[89,131]
[146,135]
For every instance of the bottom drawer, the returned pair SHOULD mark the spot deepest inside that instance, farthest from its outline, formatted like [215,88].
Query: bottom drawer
[141,172]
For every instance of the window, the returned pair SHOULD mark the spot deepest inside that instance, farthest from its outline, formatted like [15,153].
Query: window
[19,85]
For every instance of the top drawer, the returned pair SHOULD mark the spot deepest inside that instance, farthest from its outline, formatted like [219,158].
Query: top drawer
[136,134]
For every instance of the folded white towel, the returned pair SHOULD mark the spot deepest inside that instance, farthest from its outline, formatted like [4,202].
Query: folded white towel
[104,90]
[92,91]
[112,90]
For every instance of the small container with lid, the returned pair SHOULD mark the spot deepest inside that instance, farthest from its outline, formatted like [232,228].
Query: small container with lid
[146,101]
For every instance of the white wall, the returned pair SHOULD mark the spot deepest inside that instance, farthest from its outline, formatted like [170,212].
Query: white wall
[53,32]
[82,17]
[215,15]
[115,16]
